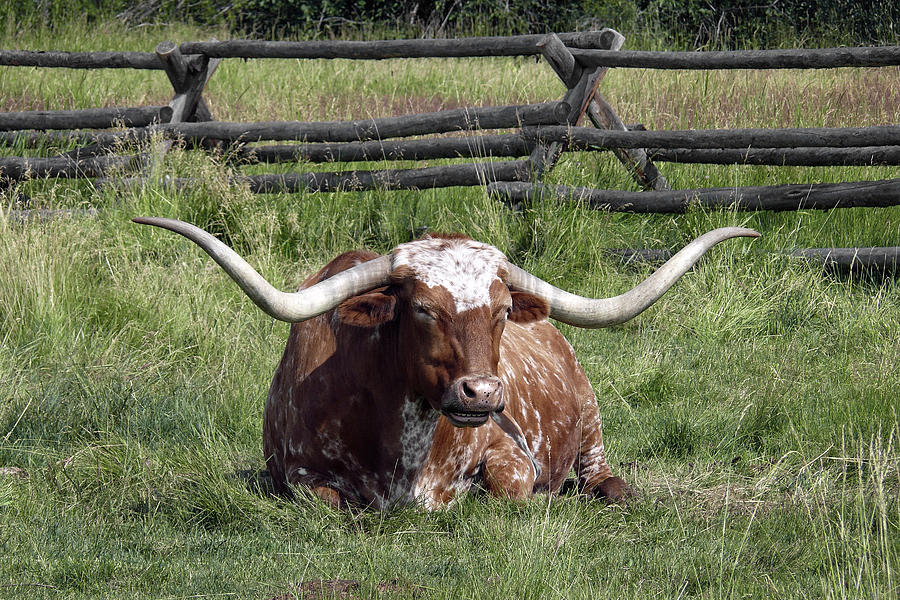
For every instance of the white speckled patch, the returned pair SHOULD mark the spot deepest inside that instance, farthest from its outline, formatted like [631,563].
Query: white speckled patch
[419,422]
[464,268]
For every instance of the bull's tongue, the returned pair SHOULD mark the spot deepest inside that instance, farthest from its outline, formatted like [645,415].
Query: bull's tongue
[511,428]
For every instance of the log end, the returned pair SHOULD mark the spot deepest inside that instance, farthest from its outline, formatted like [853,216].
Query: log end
[166,48]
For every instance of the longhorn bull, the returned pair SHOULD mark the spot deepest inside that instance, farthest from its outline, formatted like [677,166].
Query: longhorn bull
[382,346]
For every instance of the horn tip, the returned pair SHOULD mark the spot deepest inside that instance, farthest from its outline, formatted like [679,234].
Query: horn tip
[730,232]
[170,224]
[146,220]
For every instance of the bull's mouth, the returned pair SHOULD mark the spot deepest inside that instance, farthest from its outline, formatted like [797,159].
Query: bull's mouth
[463,418]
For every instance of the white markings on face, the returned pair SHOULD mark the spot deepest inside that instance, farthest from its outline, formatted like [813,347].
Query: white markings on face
[464,268]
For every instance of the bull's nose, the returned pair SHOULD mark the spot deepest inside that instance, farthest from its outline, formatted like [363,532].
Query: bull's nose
[470,401]
[483,392]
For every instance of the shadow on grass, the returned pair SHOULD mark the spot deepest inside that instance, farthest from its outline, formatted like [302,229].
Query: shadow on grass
[258,481]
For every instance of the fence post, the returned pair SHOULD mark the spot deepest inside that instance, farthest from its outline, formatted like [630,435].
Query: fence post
[579,82]
[581,93]
[188,77]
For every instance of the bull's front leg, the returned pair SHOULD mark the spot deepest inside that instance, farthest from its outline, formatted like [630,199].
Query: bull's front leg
[508,472]
[594,475]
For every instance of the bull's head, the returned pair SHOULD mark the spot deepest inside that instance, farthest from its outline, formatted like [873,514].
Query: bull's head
[451,298]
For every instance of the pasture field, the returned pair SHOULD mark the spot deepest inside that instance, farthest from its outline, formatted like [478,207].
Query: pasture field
[754,406]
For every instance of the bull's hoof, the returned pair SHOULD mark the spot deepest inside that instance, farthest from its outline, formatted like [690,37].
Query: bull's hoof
[614,489]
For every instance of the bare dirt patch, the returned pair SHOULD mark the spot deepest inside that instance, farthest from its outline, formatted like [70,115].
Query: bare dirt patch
[15,472]
[349,589]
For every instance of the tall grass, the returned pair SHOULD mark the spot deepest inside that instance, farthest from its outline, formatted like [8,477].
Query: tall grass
[754,406]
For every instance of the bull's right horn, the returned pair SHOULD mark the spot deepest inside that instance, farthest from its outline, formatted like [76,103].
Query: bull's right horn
[603,312]
[290,307]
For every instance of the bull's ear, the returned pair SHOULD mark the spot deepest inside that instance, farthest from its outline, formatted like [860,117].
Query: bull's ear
[367,310]
[528,307]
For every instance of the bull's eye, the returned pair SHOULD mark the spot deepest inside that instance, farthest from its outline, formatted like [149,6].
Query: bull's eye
[424,314]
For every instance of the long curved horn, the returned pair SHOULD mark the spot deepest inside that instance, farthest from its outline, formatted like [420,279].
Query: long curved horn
[603,312]
[290,307]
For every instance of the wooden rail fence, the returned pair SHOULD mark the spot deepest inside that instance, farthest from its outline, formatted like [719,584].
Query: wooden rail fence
[190,65]
[546,130]
[862,146]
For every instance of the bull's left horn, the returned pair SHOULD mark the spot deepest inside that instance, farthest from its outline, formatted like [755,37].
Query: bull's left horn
[290,307]
[603,312]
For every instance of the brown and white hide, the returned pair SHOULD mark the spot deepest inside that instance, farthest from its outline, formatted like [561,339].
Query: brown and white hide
[354,409]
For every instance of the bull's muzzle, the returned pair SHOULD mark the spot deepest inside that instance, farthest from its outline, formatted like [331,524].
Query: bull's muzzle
[470,400]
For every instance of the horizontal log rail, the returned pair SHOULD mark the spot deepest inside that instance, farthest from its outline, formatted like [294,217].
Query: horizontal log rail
[459,119]
[48,214]
[482,146]
[79,60]
[516,45]
[464,175]
[848,260]
[783,157]
[582,45]
[16,167]
[812,58]
[90,118]
[816,196]
[884,259]
[37,139]
[586,138]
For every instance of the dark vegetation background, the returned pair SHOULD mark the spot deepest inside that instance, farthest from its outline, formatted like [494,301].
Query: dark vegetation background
[677,24]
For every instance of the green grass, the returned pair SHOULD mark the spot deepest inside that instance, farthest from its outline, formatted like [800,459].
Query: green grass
[754,406]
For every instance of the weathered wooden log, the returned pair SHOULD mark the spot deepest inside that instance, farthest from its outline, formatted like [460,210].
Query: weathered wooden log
[79,60]
[91,118]
[36,139]
[585,138]
[472,174]
[46,214]
[421,149]
[560,59]
[885,259]
[460,119]
[15,168]
[174,64]
[516,45]
[89,151]
[813,58]
[786,157]
[817,196]
[188,78]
